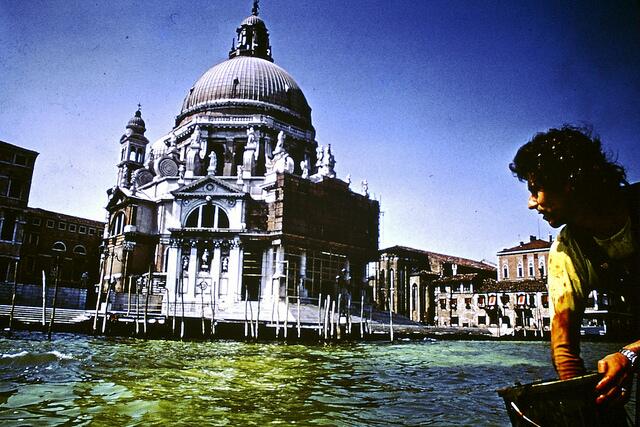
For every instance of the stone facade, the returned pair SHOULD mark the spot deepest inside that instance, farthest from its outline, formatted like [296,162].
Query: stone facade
[238,201]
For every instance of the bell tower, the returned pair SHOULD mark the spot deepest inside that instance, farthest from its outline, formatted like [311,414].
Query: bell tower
[133,145]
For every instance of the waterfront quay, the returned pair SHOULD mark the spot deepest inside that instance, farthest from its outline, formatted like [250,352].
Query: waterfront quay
[293,321]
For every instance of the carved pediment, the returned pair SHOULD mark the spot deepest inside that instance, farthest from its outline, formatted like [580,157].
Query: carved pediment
[209,186]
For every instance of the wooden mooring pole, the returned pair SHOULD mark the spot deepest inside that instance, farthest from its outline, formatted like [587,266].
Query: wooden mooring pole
[53,305]
[286,316]
[326,317]
[13,295]
[320,314]
[338,326]
[246,321]
[361,315]
[213,308]
[146,302]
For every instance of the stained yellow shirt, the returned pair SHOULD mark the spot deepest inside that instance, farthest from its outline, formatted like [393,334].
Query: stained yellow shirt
[571,277]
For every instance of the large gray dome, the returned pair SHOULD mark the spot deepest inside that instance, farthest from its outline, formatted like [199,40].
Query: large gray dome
[247,81]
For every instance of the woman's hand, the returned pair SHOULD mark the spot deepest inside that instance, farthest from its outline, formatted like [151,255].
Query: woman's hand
[615,386]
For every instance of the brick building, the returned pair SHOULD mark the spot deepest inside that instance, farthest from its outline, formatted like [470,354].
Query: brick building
[38,240]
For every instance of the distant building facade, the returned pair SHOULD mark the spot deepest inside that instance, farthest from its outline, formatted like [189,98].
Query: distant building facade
[515,304]
[402,279]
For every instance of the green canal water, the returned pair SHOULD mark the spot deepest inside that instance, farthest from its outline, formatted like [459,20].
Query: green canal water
[80,380]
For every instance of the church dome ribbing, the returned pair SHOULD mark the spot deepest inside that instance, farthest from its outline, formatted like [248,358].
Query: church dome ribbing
[137,124]
[248,80]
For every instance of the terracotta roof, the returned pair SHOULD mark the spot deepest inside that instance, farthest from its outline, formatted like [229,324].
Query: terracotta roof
[417,253]
[532,244]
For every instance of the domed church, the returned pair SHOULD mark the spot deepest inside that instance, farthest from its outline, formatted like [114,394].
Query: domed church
[238,204]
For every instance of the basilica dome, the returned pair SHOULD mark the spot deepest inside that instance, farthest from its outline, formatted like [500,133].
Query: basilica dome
[248,82]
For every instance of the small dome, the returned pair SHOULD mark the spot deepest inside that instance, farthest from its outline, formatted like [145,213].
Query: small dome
[252,20]
[136,123]
[246,81]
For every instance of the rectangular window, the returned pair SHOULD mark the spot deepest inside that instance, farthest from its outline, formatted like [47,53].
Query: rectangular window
[50,223]
[15,188]
[72,228]
[62,226]
[521,300]
[8,226]
[481,300]
[4,269]
[36,221]
[82,229]
[92,231]
[545,300]
[546,322]
[443,304]
[453,303]
[467,303]
[134,215]
[482,320]
[20,160]
[32,239]
[454,321]
[4,185]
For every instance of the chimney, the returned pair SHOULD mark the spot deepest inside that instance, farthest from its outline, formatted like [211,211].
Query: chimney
[550,238]
[532,238]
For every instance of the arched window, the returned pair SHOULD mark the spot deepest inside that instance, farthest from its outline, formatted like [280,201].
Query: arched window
[80,250]
[117,224]
[530,268]
[520,269]
[59,247]
[542,266]
[505,271]
[207,216]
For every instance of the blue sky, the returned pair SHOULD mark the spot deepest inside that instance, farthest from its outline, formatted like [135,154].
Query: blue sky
[427,100]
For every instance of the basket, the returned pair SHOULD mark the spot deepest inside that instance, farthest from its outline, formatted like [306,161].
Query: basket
[568,403]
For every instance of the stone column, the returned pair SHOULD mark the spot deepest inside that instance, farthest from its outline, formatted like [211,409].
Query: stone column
[215,269]
[279,272]
[265,280]
[302,289]
[235,270]
[193,270]
[173,259]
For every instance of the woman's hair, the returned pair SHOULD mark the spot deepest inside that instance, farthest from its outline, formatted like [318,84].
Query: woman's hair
[569,156]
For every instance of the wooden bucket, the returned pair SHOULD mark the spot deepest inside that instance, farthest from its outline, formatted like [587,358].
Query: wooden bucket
[569,403]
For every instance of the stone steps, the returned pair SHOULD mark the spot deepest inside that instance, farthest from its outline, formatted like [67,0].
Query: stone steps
[33,315]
